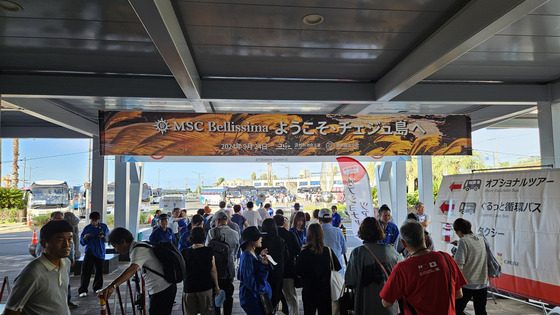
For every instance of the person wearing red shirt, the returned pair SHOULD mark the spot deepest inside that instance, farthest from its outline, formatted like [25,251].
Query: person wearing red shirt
[429,282]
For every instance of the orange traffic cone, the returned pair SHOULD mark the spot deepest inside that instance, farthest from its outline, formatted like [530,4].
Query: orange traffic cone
[34,239]
[28,221]
[150,219]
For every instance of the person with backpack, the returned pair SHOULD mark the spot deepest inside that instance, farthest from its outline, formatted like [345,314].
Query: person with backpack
[201,280]
[290,301]
[225,243]
[143,257]
[471,259]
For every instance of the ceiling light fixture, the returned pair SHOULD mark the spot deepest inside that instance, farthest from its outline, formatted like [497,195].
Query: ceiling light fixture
[10,6]
[313,19]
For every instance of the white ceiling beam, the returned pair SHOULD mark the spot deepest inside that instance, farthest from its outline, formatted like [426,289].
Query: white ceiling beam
[161,24]
[471,26]
[51,112]
[491,115]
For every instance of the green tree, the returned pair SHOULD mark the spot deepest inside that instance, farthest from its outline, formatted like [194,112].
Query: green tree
[220,181]
[262,177]
[11,198]
[253,176]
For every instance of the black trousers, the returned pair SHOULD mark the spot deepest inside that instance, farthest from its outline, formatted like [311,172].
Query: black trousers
[90,262]
[479,299]
[316,302]
[161,303]
[227,286]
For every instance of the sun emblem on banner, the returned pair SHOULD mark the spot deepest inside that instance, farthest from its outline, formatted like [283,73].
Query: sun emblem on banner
[162,126]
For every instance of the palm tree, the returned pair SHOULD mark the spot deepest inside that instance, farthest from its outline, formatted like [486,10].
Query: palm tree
[15,167]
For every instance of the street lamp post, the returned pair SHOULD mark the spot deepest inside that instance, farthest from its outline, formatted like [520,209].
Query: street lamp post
[199,178]
[158,170]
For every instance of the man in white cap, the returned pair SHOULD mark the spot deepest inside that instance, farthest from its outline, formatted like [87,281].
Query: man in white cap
[334,238]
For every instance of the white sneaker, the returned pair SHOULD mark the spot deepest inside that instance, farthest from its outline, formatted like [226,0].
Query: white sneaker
[84,294]
[97,292]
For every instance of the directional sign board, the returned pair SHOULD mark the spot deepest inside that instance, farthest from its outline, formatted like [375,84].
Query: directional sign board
[519,213]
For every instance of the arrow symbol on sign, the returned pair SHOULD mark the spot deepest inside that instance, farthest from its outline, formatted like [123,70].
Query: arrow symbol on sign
[445,207]
[455,186]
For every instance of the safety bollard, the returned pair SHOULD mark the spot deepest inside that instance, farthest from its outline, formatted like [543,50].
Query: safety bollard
[102,306]
[344,231]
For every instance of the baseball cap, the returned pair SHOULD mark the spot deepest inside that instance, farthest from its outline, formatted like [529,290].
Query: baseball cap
[325,214]
[221,215]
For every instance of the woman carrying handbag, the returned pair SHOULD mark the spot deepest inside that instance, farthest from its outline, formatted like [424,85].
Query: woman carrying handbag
[368,269]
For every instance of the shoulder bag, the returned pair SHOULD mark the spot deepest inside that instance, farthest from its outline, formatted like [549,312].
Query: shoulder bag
[337,282]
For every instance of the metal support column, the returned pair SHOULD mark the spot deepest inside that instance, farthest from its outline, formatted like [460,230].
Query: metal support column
[549,132]
[398,192]
[426,184]
[121,193]
[98,181]
[136,177]
[383,178]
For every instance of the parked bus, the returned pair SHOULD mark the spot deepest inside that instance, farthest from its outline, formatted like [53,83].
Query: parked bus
[47,196]
[212,196]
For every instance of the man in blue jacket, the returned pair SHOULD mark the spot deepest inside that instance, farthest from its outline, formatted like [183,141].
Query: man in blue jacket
[93,238]
[162,233]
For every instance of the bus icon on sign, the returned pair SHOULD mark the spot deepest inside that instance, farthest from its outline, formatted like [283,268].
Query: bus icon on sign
[467,207]
[350,170]
[473,184]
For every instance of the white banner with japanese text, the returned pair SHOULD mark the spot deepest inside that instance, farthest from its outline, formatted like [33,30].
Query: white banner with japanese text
[519,213]
[357,191]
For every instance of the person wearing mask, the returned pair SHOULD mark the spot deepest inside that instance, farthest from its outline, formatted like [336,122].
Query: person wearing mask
[93,238]
[290,301]
[162,233]
[429,282]
[365,275]
[298,228]
[276,248]
[184,242]
[201,279]
[42,286]
[471,259]
[252,272]
[313,265]
[390,229]
[142,257]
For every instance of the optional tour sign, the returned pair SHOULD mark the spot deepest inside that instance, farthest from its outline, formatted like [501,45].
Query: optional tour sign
[192,134]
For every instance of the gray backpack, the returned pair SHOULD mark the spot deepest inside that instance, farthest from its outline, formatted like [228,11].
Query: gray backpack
[494,268]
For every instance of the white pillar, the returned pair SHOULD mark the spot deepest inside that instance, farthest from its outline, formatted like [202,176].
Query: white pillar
[549,132]
[136,177]
[426,184]
[98,181]
[121,193]
[383,179]
[398,191]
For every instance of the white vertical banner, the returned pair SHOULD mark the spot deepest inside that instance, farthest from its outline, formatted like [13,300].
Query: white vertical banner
[357,191]
[519,213]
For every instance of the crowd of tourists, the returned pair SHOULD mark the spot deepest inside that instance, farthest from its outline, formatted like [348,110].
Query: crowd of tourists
[396,270]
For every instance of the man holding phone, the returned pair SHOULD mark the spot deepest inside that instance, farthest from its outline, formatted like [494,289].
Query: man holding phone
[93,238]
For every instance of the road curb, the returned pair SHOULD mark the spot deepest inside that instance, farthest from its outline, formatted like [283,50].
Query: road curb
[16,227]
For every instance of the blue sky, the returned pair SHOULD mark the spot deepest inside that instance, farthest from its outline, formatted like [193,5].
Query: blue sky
[67,159]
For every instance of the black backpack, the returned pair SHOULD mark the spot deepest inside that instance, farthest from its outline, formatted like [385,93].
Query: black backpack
[170,258]
[222,256]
